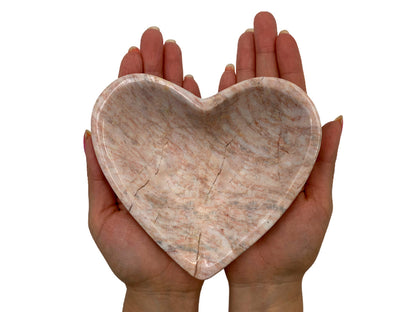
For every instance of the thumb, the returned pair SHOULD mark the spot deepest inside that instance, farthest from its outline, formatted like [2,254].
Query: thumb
[102,199]
[319,184]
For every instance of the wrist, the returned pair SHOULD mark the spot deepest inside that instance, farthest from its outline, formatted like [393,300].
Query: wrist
[269,297]
[143,300]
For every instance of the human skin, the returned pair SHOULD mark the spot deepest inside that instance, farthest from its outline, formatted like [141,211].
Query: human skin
[266,277]
[153,280]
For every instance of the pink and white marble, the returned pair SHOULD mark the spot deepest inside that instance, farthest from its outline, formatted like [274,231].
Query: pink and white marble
[205,178]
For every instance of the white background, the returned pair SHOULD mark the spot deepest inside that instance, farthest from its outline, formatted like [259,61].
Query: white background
[56,58]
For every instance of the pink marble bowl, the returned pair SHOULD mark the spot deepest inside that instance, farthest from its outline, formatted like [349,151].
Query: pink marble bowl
[205,178]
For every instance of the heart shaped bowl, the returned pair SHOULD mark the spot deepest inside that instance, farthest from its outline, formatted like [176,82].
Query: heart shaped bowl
[205,178]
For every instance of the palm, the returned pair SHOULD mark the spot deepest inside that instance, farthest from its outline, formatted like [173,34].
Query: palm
[291,246]
[135,258]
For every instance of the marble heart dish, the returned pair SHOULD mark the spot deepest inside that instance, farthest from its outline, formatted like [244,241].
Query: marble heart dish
[205,178]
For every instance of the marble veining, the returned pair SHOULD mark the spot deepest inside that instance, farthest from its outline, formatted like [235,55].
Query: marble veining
[205,178]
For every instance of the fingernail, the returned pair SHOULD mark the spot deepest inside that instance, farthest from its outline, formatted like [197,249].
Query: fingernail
[229,67]
[87,135]
[134,49]
[249,30]
[189,76]
[154,27]
[340,118]
[284,32]
[170,40]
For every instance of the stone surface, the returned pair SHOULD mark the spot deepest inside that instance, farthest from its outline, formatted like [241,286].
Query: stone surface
[205,178]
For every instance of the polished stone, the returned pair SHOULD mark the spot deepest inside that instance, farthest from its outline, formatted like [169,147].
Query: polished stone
[205,178]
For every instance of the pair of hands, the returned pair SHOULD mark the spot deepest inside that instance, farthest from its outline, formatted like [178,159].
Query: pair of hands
[268,276]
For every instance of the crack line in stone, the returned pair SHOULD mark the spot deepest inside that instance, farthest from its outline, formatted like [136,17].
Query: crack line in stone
[216,177]
[226,145]
[135,194]
[221,166]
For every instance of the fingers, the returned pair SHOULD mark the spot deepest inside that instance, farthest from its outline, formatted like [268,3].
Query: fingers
[151,47]
[154,58]
[132,62]
[246,56]
[102,200]
[288,60]
[190,84]
[228,77]
[172,63]
[265,32]
[319,184]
